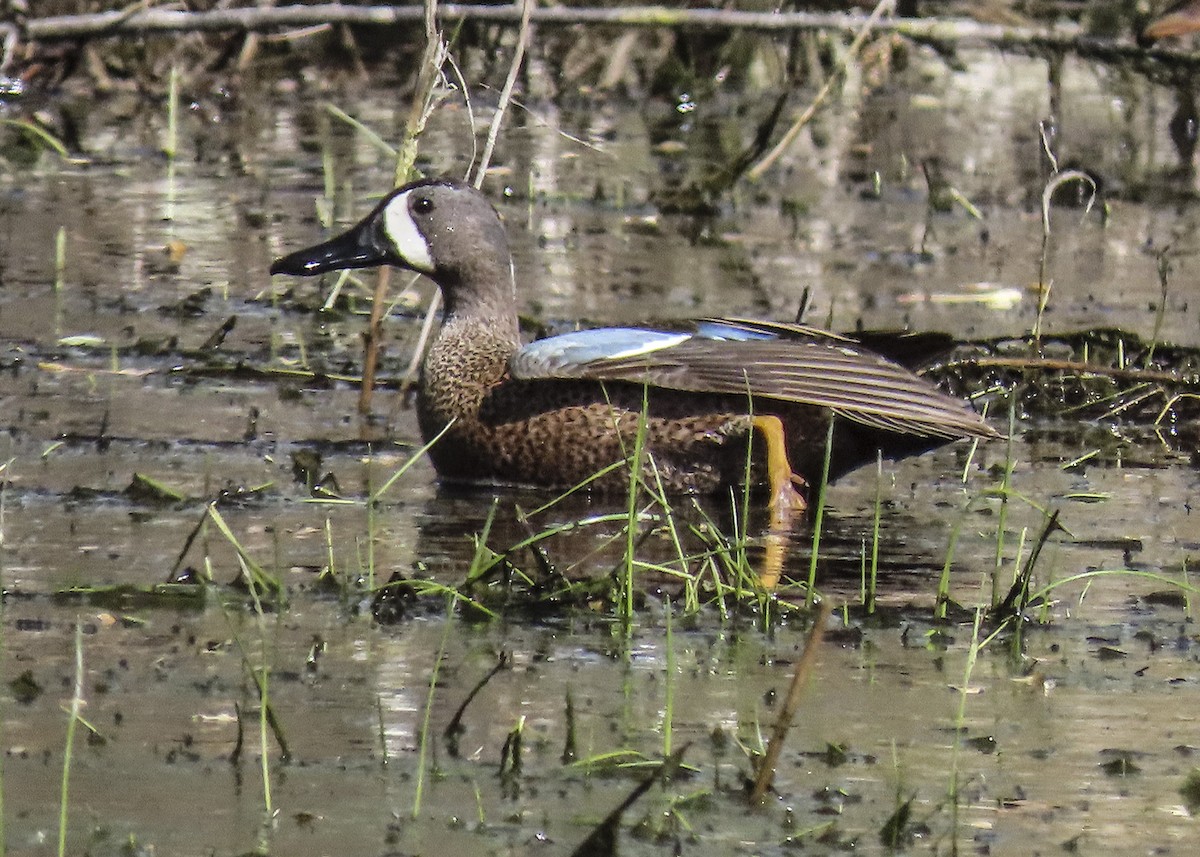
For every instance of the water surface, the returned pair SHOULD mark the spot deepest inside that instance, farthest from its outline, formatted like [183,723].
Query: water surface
[107,375]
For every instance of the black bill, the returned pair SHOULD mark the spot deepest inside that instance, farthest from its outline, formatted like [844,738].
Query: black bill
[363,246]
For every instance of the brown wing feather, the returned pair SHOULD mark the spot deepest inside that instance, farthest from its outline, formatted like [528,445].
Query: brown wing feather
[850,381]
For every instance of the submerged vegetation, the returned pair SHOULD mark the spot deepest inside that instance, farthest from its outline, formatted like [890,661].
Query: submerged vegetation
[210,536]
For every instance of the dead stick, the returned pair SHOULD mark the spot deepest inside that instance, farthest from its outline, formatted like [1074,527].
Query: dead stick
[422,105]
[505,94]
[371,339]
[882,8]
[948,31]
[175,20]
[1078,367]
[766,769]
[435,303]
[418,355]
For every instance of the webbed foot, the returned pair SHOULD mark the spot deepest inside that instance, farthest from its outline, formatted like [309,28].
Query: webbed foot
[786,485]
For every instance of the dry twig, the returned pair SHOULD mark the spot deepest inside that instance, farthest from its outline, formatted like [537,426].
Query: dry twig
[804,669]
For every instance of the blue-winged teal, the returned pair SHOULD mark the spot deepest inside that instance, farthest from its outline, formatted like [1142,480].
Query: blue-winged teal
[556,411]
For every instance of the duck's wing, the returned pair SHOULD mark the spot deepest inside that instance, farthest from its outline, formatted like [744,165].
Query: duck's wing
[908,348]
[733,328]
[784,362]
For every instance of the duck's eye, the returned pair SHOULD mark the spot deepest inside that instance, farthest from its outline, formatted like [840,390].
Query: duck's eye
[422,205]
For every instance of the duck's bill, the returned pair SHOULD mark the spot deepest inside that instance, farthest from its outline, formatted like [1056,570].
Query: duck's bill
[361,247]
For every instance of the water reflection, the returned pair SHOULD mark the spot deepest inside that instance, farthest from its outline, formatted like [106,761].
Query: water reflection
[846,219]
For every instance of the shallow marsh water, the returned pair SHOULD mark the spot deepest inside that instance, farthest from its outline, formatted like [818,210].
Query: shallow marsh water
[105,376]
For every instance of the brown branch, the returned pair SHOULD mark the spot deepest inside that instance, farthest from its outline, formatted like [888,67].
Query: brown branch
[882,8]
[1048,364]
[259,18]
[946,31]
[432,60]
[505,94]
[791,703]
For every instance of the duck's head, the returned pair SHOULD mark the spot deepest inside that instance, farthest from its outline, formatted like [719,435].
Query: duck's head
[441,228]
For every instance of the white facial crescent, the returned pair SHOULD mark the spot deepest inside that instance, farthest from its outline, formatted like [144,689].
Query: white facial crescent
[406,238]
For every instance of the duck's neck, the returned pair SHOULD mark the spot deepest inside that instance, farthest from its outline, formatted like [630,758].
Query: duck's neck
[468,358]
[470,354]
[483,297]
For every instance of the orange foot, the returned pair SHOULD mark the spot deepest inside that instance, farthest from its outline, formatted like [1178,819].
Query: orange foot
[785,498]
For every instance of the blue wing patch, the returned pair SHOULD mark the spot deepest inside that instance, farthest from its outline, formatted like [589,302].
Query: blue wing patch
[557,356]
[711,328]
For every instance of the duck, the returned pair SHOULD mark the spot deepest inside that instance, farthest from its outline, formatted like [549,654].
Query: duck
[712,404]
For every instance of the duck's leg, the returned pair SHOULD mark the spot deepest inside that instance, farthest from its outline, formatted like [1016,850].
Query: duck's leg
[785,499]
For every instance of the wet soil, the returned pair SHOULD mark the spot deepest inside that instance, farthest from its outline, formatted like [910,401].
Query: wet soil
[120,364]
